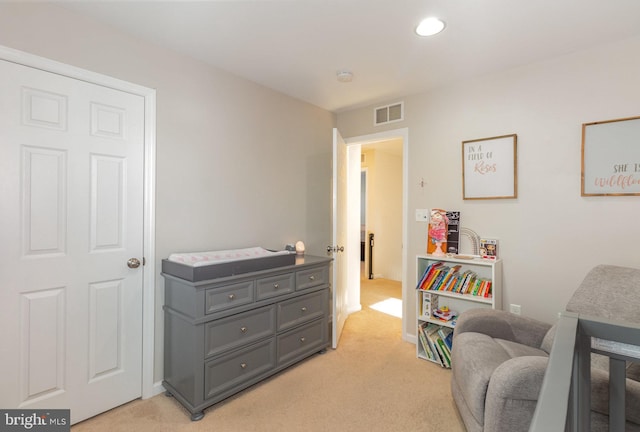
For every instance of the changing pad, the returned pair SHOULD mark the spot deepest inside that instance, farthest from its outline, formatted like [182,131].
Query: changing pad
[199,259]
[199,266]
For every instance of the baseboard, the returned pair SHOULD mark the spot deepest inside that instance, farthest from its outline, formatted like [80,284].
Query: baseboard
[410,338]
[156,390]
[356,308]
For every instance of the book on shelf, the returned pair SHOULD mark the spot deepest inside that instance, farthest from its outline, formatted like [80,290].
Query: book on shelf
[442,286]
[447,336]
[436,277]
[437,343]
[431,332]
[445,352]
[426,304]
[485,289]
[488,292]
[437,232]
[462,280]
[425,344]
[438,280]
[424,276]
[429,304]
[453,231]
[428,273]
[468,282]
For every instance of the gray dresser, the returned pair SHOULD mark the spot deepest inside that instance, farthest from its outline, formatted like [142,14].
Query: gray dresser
[223,335]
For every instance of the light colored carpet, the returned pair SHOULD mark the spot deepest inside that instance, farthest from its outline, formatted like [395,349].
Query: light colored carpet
[372,382]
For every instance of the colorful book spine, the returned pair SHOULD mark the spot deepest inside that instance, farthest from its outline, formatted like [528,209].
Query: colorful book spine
[425,344]
[437,277]
[445,352]
[432,274]
[432,338]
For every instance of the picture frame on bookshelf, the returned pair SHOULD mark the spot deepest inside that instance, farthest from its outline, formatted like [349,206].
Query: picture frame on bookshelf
[489,248]
[489,168]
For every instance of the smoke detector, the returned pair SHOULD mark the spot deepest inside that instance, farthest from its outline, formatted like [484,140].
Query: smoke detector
[344,76]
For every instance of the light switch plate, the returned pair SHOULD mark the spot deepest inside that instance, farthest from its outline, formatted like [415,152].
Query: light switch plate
[422,215]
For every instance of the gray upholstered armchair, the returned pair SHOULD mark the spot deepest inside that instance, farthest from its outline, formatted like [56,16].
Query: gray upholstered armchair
[499,359]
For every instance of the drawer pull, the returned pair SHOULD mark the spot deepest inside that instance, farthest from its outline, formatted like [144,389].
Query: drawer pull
[302,339]
[303,308]
[243,365]
[276,286]
[312,277]
[232,296]
[243,329]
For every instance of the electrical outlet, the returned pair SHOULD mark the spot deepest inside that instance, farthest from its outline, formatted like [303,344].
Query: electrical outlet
[422,215]
[514,309]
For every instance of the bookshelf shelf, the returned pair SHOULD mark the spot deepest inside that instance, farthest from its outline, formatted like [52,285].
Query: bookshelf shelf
[452,287]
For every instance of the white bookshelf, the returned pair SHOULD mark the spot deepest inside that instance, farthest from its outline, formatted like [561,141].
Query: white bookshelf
[483,268]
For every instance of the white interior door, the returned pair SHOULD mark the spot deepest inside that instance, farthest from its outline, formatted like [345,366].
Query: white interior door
[71,170]
[340,269]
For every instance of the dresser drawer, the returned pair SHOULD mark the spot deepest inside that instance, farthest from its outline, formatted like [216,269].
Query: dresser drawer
[302,309]
[275,285]
[232,370]
[312,277]
[228,296]
[238,330]
[302,341]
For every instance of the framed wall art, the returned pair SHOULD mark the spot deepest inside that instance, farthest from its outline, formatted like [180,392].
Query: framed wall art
[611,157]
[489,168]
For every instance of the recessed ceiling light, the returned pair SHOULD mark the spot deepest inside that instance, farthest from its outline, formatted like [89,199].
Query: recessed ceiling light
[430,26]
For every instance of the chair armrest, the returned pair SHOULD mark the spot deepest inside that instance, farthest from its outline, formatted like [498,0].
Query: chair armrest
[502,325]
[512,394]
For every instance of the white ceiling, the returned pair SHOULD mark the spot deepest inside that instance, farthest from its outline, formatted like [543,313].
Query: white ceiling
[297,46]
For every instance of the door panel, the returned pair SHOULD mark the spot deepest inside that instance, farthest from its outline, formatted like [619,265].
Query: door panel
[71,173]
[44,200]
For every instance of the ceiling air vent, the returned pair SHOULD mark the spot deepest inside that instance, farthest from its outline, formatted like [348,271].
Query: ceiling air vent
[388,114]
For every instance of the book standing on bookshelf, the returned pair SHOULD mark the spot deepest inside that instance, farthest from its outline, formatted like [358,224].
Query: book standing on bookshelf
[445,287]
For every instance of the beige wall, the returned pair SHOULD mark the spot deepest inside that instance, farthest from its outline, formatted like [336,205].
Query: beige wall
[238,164]
[549,236]
[384,211]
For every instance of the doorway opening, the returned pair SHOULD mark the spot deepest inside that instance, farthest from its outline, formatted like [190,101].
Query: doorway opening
[382,204]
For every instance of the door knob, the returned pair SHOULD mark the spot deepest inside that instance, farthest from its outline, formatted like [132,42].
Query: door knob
[133,263]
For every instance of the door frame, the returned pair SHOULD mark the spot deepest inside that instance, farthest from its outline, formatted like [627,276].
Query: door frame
[149,274]
[402,133]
